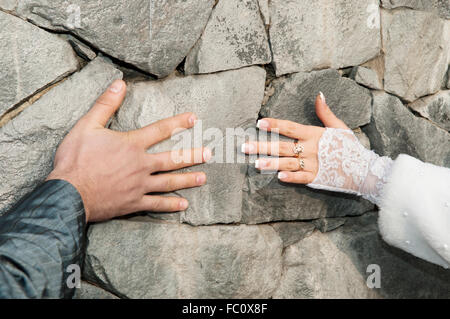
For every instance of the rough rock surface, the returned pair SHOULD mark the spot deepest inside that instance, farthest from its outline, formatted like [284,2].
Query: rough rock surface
[217,100]
[416,46]
[335,265]
[234,37]
[295,96]
[292,232]
[436,108]
[395,130]
[88,291]
[328,224]
[150,34]
[145,258]
[31,59]
[441,7]
[309,35]
[28,143]
[366,77]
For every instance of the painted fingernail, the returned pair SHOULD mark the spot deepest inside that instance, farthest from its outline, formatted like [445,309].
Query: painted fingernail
[201,179]
[322,97]
[262,124]
[192,120]
[116,87]
[183,205]
[207,154]
[247,148]
[261,163]
[282,175]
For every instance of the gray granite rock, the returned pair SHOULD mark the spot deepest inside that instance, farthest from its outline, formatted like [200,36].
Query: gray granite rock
[295,96]
[145,258]
[436,108]
[309,35]
[395,130]
[30,60]
[89,291]
[153,35]
[292,232]
[416,46]
[441,7]
[366,77]
[335,265]
[328,224]
[82,49]
[234,37]
[222,100]
[29,141]
[266,199]
[264,9]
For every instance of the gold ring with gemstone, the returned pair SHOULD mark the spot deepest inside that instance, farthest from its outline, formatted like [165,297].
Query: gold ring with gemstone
[298,149]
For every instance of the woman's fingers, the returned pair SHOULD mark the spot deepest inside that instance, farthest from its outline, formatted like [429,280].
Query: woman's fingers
[327,116]
[291,164]
[164,183]
[164,129]
[286,128]
[279,148]
[166,204]
[296,177]
[170,161]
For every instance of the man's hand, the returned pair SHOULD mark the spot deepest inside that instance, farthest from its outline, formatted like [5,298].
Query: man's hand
[112,171]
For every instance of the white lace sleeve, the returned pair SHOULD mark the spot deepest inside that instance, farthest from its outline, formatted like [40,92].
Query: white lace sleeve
[345,165]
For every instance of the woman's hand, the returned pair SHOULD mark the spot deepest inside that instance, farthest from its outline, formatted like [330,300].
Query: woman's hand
[289,164]
[112,171]
[330,158]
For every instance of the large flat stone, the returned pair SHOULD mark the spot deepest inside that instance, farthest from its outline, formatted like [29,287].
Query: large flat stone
[266,199]
[416,46]
[335,265]
[30,60]
[436,108]
[153,35]
[145,258]
[441,7]
[28,142]
[234,37]
[309,35]
[395,130]
[295,96]
[222,100]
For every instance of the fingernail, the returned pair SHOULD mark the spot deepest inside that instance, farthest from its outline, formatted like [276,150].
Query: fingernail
[183,204]
[116,87]
[247,148]
[207,154]
[261,163]
[262,124]
[192,120]
[322,97]
[201,179]
[282,175]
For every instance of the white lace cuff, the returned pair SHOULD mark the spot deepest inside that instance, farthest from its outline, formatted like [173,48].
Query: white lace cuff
[345,165]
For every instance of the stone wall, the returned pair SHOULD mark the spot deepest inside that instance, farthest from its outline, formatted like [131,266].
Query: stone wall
[383,66]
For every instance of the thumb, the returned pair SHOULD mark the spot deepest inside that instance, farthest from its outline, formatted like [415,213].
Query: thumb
[325,114]
[107,104]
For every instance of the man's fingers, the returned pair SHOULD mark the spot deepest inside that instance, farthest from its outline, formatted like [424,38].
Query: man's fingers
[327,116]
[296,177]
[167,204]
[286,128]
[170,161]
[164,129]
[107,104]
[164,183]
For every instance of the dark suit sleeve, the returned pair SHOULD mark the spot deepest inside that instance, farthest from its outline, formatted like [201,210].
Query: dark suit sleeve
[39,238]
